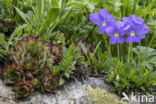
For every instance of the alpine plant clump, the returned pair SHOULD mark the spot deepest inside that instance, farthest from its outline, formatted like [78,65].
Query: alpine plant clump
[29,71]
[32,54]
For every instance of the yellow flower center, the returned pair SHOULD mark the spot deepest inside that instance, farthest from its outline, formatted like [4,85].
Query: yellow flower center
[104,23]
[116,34]
[132,33]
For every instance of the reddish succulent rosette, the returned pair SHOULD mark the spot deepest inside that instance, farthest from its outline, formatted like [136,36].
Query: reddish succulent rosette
[23,89]
[56,51]
[13,73]
[50,83]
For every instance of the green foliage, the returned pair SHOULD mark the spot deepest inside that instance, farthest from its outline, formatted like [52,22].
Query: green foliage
[12,41]
[67,64]
[101,96]
[8,12]
[58,39]
[44,17]
[41,18]
[128,76]
[148,56]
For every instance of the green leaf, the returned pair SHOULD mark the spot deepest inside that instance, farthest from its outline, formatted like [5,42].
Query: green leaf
[61,81]
[96,48]
[2,41]
[23,15]
[51,18]
[83,48]
[148,56]
[55,3]
[67,74]
[16,31]
[80,4]
[40,7]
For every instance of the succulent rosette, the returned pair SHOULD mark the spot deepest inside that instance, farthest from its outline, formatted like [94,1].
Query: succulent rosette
[50,83]
[39,74]
[32,54]
[23,89]
[13,73]
[56,51]
[36,83]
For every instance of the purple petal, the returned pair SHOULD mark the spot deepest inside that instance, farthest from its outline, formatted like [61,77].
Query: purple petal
[127,20]
[116,39]
[109,19]
[127,28]
[119,24]
[120,28]
[95,18]
[142,30]
[121,32]
[102,29]
[137,20]
[132,39]
[103,13]
[109,31]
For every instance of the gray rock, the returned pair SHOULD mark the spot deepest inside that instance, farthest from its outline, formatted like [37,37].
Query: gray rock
[71,93]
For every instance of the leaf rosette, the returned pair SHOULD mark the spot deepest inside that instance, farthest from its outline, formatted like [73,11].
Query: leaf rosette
[50,83]
[12,74]
[23,89]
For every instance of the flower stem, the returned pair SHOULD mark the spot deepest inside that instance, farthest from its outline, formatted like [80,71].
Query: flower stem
[152,40]
[130,52]
[108,48]
[118,48]
[139,52]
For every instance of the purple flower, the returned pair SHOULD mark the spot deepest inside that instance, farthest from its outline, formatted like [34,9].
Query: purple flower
[135,28]
[102,19]
[115,32]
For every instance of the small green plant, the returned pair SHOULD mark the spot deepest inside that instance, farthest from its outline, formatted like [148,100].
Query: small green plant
[67,64]
[7,46]
[128,77]
[148,56]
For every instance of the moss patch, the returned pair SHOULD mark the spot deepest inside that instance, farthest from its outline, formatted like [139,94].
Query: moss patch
[101,96]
